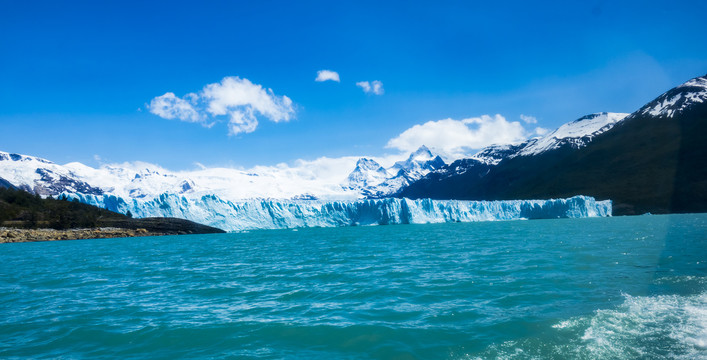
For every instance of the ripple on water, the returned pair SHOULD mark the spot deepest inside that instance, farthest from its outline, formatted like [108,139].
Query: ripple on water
[579,288]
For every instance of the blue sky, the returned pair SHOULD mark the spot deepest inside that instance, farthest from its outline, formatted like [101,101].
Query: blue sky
[77,78]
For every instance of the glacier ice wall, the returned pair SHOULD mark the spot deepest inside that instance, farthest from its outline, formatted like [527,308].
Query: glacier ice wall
[275,214]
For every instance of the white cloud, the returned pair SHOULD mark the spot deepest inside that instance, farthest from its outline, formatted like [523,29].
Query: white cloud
[169,106]
[240,99]
[242,122]
[374,87]
[541,131]
[237,100]
[322,177]
[529,119]
[365,85]
[324,75]
[456,138]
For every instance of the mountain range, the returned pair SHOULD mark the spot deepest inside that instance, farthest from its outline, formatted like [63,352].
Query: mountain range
[368,179]
[652,160]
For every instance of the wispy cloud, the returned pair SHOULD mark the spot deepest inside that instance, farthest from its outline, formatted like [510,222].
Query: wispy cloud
[528,119]
[327,75]
[237,100]
[539,131]
[456,138]
[373,87]
[169,106]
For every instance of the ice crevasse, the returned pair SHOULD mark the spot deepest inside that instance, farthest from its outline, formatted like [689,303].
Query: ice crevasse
[283,214]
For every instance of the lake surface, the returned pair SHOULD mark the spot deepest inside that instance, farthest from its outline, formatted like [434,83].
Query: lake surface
[622,287]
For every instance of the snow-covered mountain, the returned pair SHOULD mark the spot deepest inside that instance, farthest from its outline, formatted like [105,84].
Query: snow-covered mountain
[374,181]
[492,155]
[367,173]
[573,135]
[652,160]
[137,185]
[142,180]
[322,178]
[419,164]
[314,180]
[678,99]
[42,176]
[149,191]
[579,133]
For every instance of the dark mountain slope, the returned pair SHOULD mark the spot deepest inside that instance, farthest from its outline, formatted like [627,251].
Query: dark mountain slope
[653,161]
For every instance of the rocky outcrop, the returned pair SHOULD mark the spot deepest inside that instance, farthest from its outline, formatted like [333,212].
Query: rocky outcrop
[10,235]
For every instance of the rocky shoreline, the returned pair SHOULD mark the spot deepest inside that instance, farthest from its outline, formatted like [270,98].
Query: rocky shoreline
[14,235]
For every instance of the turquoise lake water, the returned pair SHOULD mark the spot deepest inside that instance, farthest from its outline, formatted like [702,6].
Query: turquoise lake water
[622,287]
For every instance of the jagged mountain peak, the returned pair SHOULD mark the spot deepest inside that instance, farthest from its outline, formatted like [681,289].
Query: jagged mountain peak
[367,164]
[419,158]
[373,180]
[420,163]
[677,100]
[368,172]
[423,153]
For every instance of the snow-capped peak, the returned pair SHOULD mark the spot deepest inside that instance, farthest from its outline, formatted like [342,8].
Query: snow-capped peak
[576,133]
[419,163]
[41,176]
[678,99]
[699,82]
[421,154]
[366,164]
[5,156]
[367,172]
[371,179]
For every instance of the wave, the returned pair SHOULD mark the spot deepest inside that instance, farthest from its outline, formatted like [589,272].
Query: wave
[664,326]
[642,327]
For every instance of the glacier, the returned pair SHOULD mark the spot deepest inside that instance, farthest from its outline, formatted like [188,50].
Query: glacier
[287,214]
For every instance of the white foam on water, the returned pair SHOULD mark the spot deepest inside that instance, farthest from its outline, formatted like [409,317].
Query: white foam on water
[566,324]
[641,327]
[663,326]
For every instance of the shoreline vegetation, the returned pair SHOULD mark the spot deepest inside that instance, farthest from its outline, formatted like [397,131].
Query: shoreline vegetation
[26,217]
